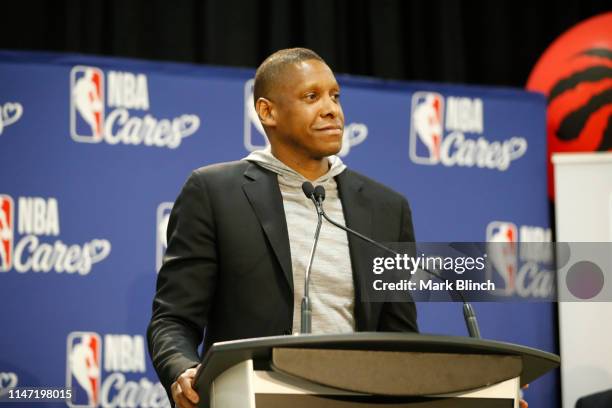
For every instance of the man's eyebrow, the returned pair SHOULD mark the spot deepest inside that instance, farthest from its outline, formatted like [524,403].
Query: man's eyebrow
[315,85]
[305,87]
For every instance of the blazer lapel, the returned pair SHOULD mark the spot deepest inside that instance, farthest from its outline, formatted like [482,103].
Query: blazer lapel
[263,193]
[357,215]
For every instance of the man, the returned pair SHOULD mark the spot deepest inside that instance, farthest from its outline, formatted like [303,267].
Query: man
[240,233]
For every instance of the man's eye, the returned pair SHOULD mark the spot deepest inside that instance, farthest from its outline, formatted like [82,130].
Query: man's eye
[336,96]
[311,96]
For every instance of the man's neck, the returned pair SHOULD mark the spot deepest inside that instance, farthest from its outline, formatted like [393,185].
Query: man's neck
[311,169]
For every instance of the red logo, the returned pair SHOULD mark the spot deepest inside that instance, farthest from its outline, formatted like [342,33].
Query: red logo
[575,73]
[426,132]
[503,251]
[87,104]
[6,232]
[83,368]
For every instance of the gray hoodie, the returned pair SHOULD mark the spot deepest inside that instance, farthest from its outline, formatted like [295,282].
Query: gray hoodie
[332,293]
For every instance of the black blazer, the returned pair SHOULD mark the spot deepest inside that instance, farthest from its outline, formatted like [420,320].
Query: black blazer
[227,268]
[599,400]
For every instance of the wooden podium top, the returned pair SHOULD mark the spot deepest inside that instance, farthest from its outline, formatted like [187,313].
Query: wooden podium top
[224,355]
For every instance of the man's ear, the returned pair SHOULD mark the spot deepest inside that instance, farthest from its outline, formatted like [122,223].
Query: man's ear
[265,111]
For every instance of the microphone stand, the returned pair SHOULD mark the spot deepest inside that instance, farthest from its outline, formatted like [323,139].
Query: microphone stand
[306,308]
[468,311]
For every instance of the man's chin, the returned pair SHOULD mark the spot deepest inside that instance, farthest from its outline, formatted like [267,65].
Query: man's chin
[330,149]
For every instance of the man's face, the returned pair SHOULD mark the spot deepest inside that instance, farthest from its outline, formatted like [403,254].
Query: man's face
[308,118]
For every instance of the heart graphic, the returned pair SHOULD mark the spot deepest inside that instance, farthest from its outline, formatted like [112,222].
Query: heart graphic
[11,112]
[188,124]
[7,381]
[99,249]
[354,134]
[357,133]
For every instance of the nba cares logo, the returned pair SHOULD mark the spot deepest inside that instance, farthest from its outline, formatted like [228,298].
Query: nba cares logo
[114,107]
[449,131]
[502,248]
[426,127]
[83,368]
[30,239]
[7,223]
[87,104]
[120,381]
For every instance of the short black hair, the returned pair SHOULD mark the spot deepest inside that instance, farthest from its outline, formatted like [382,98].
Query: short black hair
[269,71]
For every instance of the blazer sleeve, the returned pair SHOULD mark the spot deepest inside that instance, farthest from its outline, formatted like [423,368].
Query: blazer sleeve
[401,316]
[185,285]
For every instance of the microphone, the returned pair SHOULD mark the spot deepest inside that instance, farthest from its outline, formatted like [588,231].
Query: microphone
[469,314]
[308,189]
[319,194]
[306,309]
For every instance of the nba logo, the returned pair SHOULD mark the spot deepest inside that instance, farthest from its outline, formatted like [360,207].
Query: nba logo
[83,368]
[6,232]
[254,134]
[86,104]
[502,249]
[426,127]
[163,216]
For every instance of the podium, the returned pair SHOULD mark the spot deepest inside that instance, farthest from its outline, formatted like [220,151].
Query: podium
[388,370]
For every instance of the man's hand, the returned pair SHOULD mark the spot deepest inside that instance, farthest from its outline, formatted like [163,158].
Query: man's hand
[183,394]
[522,402]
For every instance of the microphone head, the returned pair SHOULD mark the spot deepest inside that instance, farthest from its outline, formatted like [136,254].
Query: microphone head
[308,189]
[319,193]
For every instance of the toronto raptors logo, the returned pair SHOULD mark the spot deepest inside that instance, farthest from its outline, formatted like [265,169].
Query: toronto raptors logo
[575,73]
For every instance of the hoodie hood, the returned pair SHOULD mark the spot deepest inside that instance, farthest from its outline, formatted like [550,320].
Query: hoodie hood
[290,177]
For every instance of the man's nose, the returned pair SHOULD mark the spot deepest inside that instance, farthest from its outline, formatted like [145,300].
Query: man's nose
[331,107]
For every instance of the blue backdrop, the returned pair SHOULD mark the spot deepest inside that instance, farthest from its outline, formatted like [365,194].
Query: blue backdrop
[94,151]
